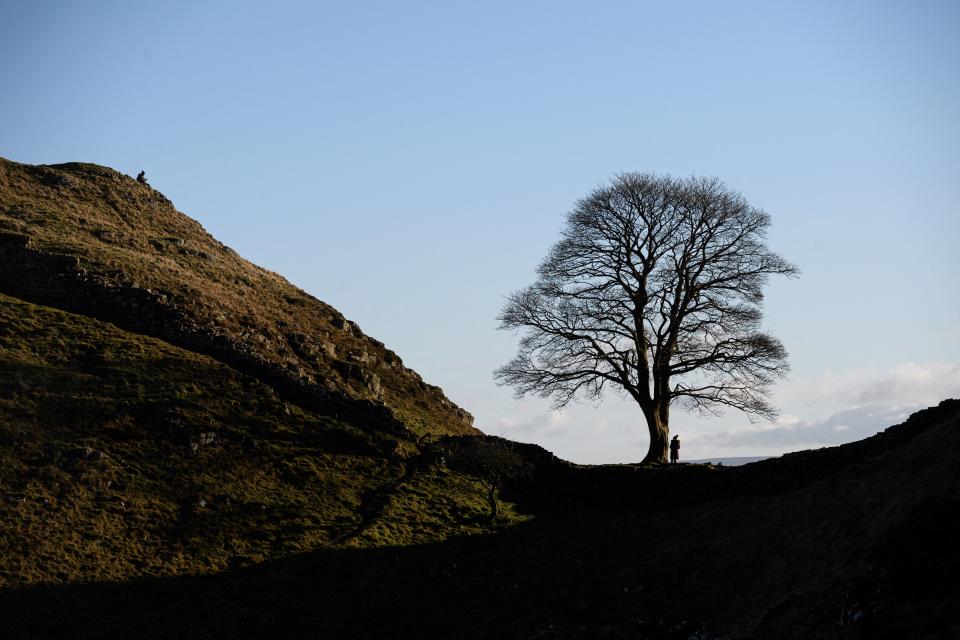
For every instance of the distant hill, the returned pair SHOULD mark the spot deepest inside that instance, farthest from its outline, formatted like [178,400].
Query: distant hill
[735,461]
[91,240]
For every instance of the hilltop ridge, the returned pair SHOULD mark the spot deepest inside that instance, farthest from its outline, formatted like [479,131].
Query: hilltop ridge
[91,240]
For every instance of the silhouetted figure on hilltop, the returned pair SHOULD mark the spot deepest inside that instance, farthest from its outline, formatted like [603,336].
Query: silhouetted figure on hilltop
[675,449]
[142,177]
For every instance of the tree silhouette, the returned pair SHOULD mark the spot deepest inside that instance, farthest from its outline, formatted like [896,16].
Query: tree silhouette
[655,290]
[493,461]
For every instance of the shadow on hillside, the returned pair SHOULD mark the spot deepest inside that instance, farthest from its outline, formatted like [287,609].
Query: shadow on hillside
[507,585]
[548,579]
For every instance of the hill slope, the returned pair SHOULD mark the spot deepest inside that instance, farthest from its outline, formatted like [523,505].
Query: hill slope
[93,241]
[122,456]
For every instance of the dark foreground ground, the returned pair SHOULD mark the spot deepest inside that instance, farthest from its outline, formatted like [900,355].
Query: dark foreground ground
[851,542]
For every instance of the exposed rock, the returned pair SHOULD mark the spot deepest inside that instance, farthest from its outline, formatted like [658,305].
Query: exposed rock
[59,179]
[202,439]
[372,381]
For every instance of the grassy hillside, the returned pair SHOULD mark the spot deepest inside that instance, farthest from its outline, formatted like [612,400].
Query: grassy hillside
[91,240]
[122,456]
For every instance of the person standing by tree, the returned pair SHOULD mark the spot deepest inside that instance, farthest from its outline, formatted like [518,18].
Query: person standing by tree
[654,290]
[675,449]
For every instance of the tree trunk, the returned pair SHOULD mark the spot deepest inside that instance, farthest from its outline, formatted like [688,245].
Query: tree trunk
[494,504]
[658,424]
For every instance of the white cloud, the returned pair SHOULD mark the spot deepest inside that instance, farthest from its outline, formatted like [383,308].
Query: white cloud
[843,426]
[858,403]
[547,423]
[786,420]
[904,384]
[914,382]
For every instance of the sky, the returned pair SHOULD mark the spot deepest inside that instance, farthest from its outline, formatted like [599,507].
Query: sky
[411,163]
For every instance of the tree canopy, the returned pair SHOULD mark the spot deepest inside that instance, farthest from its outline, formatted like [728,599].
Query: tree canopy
[654,290]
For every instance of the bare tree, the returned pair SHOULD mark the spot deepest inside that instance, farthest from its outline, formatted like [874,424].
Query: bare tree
[654,290]
[492,461]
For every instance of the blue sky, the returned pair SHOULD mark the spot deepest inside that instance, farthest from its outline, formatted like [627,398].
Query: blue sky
[411,163]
